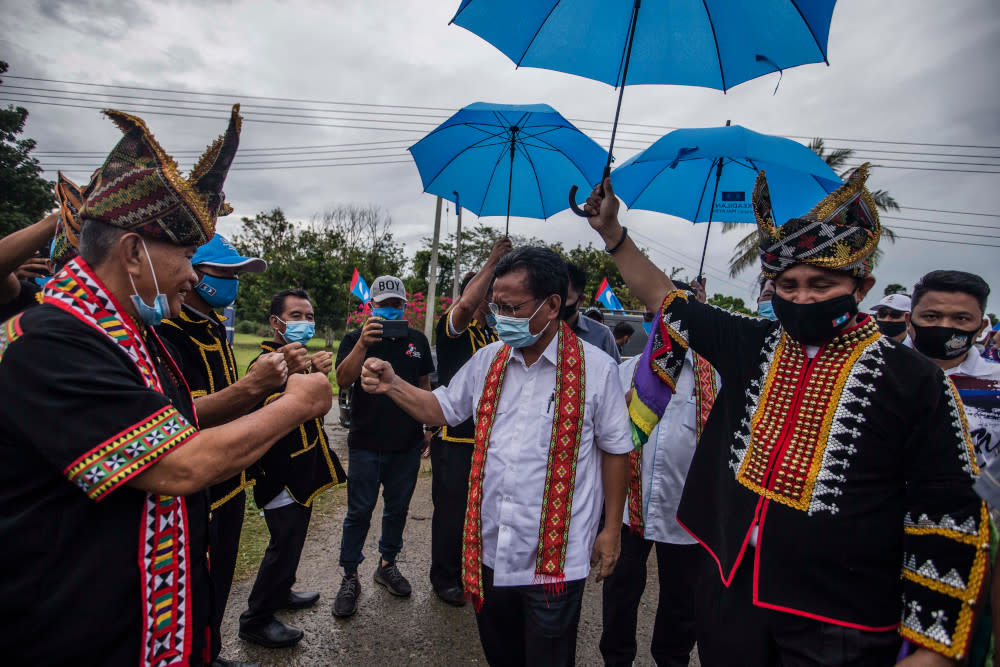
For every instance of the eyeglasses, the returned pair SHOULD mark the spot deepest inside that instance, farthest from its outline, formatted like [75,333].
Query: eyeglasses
[507,310]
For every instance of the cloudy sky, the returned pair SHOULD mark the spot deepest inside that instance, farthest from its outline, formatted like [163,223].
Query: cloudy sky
[911,86]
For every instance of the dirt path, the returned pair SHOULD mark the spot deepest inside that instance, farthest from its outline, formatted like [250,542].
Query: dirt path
[386,630]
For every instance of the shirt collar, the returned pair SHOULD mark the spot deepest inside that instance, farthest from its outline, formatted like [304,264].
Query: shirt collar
[550,353]
[975,366]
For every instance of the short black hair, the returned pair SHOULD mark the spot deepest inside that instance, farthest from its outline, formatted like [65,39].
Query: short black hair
[681,285]
[465,282]
[545,269]
[623,329]
[278,300]
[952,281]
[577,277]
[595,314]
[98,240]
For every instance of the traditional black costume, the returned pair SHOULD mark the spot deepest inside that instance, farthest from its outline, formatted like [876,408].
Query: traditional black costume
[831,484]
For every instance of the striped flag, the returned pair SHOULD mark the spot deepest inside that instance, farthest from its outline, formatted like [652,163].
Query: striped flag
[607,298]
[359,287]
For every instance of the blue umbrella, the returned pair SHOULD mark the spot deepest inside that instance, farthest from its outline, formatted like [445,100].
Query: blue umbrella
[684,172]
[712,43]
[506,159]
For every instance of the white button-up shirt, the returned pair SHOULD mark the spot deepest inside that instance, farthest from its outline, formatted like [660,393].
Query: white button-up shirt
[518,454]
[666,458]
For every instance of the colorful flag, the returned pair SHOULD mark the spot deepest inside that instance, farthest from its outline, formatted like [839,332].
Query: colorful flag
[607,298]
[359,287]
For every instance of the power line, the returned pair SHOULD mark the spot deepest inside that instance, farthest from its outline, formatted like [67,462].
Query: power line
[940,210]
[216,117]
[939,222]
[917,238]
[232,96]
[935,231]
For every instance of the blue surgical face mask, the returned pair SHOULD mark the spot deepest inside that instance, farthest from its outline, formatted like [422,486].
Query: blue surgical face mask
[516,331]
[388,313]
[218,292]
[41,281]
[150,315]
[765,309]
[298,331]
[491,320]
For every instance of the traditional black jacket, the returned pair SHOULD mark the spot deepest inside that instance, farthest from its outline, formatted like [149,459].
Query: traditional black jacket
[301,462]
[849,472]
[95,571]
[199,344]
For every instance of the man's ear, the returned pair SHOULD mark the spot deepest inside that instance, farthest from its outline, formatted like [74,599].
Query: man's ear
[864,285]
[555,302]
[130,253]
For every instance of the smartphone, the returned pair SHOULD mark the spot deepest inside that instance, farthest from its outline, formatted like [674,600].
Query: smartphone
[395,329]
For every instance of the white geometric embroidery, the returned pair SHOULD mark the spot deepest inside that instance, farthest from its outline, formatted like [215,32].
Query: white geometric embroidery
[840,447]
[930,571]
[968,527]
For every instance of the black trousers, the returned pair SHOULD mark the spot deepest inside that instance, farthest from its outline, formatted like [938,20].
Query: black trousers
[288,526]
[731,630]
[451,463]
[678,566]
[224,545]
[525,625]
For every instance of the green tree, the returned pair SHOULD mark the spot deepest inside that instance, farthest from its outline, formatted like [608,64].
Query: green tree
[319,257]
[477,243]
[25,197]
[745,255]
[893,288]
[734,304]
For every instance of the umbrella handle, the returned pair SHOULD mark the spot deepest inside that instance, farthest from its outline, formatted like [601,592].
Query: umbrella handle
[573,205]
[572,195]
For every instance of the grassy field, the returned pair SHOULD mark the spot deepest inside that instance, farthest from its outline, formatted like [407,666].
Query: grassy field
[247,347]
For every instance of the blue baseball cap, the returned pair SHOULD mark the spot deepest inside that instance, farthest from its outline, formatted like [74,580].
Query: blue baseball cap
[221,253]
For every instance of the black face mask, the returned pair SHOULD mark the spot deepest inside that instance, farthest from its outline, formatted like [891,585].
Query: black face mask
[569,310]
[815,323]
[891,328]
[942,343]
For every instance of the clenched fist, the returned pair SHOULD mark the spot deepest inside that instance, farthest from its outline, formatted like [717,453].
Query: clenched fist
[322,362]
[270,370]
[377,376]
[296,356]
[312,391]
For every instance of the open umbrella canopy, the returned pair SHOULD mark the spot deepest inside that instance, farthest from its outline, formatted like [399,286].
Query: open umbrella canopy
[677,175]
[506,159]
[711,43]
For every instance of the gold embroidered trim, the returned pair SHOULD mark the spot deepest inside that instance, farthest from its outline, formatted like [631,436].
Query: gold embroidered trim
[963,627]
[960,407]
[797,467]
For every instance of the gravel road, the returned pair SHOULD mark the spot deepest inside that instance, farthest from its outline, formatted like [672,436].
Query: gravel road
[420,630]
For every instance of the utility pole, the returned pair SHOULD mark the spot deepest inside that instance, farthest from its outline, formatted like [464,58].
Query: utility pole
[432,281]
[458,248]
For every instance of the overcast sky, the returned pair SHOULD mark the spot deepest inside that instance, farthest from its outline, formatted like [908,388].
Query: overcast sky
[918,71]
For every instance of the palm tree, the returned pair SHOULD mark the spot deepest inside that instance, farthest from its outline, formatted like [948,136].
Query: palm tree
[746,255]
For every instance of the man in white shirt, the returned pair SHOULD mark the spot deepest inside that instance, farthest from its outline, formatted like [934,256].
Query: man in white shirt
[531,531]
[948,316]
[651,520]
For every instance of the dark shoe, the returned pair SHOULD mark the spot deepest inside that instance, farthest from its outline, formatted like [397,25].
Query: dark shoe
[274,634]
[390,577]
[301,600]
[221,662]
[346,602]
[454,596]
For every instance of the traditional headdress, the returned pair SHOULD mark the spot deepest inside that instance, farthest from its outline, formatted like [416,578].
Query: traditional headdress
[841,232]
[140,188]
[67,236]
